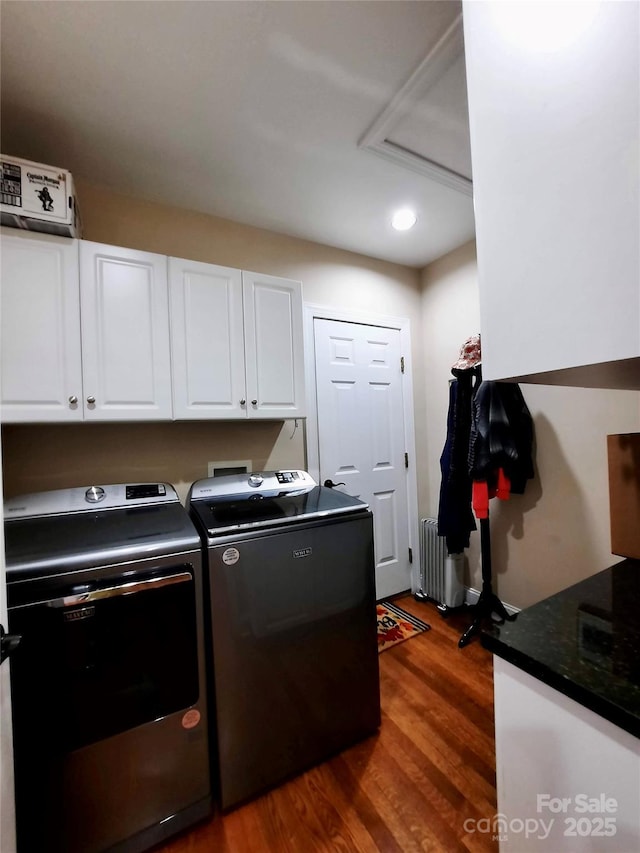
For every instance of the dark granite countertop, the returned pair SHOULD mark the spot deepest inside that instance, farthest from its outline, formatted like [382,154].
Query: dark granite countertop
[584,642]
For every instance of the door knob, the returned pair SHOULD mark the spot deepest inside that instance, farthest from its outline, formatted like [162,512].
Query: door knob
[91,400]
[243,402]
[73,400]
[254,402]
[331,485]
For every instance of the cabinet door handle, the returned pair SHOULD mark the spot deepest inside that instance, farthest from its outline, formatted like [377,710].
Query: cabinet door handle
[243,402]
[254,402]
[73,400]
[91,400]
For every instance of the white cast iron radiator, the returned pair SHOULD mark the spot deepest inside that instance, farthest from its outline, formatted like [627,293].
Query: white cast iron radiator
[440,573]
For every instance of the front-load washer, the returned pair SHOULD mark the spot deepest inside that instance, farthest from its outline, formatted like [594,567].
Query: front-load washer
[291,623]
[108,690]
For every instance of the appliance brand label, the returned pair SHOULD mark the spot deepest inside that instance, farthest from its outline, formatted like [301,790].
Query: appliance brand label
[230,556]
[78,615]
[303,552]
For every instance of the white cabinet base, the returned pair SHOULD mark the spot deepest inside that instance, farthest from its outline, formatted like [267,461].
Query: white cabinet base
[567,779]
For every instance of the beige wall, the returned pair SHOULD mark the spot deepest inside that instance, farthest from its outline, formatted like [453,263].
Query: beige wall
[48,457]
[558,531]
[555,534]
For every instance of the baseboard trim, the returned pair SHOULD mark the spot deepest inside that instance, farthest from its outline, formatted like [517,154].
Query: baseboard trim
[471,596]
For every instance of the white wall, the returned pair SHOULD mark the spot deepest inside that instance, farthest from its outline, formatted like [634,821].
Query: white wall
[558,531]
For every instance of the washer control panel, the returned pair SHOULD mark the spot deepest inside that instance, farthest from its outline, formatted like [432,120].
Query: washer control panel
[89,499]
[260,482]
[287,476]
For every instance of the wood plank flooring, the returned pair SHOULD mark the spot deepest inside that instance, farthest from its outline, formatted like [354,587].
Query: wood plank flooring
[411,787]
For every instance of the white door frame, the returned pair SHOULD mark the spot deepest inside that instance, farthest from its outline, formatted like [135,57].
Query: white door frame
[323,312]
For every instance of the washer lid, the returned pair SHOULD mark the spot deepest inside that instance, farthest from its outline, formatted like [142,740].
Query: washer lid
[250,510]
[56,544]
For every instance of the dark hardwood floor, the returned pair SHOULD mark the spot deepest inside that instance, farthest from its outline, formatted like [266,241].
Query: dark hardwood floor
[411,787]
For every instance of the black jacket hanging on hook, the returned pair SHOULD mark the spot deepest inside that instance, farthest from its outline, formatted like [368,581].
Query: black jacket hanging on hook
[488,452]
[500,443]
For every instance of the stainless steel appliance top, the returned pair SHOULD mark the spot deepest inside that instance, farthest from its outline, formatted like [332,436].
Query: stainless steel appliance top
[49,533]
[240,502]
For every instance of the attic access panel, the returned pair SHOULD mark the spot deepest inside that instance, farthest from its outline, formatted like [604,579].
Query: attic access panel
[425,126]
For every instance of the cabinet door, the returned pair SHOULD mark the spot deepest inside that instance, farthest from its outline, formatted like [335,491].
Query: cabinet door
[207,340]
[125,334]
[554,120]
[40,333]
[274,349]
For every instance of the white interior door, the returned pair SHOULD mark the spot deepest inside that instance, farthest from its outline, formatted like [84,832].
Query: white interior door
[361,434]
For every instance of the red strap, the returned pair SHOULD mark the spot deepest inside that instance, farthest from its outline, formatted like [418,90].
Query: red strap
[481,493]
[480,498]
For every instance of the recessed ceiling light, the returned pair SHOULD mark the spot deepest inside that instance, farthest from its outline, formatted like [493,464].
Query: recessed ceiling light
[403,219]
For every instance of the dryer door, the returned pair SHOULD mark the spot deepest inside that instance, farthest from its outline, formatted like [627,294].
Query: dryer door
[104,658]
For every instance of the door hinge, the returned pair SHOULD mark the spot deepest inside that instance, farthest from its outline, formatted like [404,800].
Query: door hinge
[411,555]
[406,460]
[402,364]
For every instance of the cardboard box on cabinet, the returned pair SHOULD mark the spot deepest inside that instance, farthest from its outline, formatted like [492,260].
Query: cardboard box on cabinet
[38,198]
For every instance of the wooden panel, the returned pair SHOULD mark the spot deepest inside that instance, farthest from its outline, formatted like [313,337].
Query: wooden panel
[411,787]
[624,493]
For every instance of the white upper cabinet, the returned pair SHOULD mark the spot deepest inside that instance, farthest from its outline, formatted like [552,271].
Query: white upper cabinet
[236,343]
[40,333]
[97,332]
[126,360]
[554,100]
[207,340]
[274,346]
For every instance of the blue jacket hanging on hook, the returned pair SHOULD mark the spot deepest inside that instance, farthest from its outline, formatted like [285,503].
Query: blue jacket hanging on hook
[455,517]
